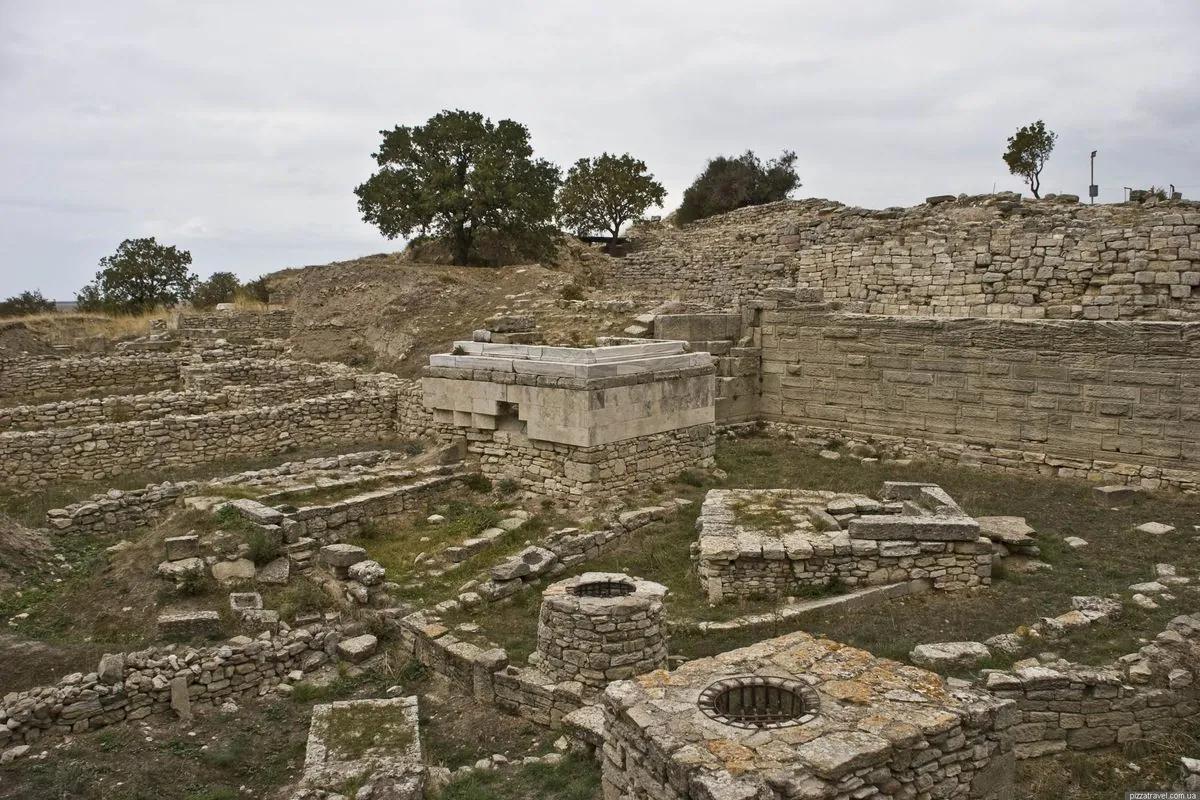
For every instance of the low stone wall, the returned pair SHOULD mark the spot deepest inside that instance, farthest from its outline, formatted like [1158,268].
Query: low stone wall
[28,380]
[132,686]
[341,520]
[224,373]
[276,324]
[554,469]
[124,408]
[1115,401]
[117,510]
[995,255]
[1141,696]
[39,458]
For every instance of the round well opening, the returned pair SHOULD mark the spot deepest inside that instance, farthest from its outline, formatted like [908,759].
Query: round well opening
[602,589]
[759,702]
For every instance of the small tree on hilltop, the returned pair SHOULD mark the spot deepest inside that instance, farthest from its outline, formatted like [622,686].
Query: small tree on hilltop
[730,183]
[457,176]
[221,287]
[25,304]
[602,194]
[1028,151]
[139,276]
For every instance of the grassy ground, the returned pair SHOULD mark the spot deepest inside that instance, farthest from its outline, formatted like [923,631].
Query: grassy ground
[575,778]
[253,752]
[1114,558]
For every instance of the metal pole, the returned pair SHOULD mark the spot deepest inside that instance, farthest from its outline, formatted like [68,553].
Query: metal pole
[1092,182]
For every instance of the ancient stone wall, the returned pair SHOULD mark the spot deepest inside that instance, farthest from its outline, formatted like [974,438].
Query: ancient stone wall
[1142,696]
[980,256]
[132,686]
[555,469]
[39,458]
[254,372]
[26,381]
[1100,400]
[275,324]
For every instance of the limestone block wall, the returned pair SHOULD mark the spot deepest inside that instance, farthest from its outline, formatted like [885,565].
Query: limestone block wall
[39,458]
[276,324]
[117,510]
[1145,695]
[131,686]
[552,468]
[974,256]
[1100,400]
[32,380]
[216,375]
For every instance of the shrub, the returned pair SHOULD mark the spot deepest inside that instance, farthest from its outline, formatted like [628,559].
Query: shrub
[194,584]
[26,304]
[303,596]
[572,291]
[477,483]
[508,486]
[264,548]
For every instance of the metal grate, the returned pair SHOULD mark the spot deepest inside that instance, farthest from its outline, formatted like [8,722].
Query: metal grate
[602,589]
[759,702]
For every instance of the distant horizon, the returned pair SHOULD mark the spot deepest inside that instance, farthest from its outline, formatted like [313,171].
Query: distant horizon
[238,131]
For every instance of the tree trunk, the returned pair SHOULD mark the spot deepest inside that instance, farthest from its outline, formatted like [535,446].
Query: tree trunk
[462,244]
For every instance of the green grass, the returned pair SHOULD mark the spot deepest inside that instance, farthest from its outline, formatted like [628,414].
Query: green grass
[354,730]
[574,778]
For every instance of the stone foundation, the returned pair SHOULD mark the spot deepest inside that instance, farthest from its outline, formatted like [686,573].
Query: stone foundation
[599,627]
[757,543]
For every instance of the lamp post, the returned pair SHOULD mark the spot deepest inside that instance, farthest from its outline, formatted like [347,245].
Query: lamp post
[1093,189]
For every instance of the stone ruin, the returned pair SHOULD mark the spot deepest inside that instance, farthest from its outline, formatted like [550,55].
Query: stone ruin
[777,542]
[800,717]
[576,421]
[599,627]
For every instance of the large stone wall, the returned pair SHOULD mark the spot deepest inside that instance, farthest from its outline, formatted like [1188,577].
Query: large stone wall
[1099,400]
[981,256]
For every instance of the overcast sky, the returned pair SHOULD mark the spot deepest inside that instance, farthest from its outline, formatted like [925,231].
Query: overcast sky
[237,130]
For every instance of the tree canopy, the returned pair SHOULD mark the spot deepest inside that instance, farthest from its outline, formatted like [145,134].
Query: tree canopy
[25,304]
[730,183]
[1028,151]
[457,176]
[140,275]
[602,194]
[221,287]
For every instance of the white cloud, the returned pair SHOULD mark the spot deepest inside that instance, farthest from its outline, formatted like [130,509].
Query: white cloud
[238,130]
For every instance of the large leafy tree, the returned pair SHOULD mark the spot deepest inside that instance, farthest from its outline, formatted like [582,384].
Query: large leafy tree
[460,175]
[142,274]
[730,183]
[602,194]
[25,304]
[1028,151]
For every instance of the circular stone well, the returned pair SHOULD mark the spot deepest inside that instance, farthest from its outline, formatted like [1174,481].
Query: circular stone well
[600,627]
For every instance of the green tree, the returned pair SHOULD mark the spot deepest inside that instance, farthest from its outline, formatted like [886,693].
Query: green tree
[602,194]
[1028,151]
[140,275]
[25,304]
[457,176]
[730,183]
[221,287]
[257,290]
